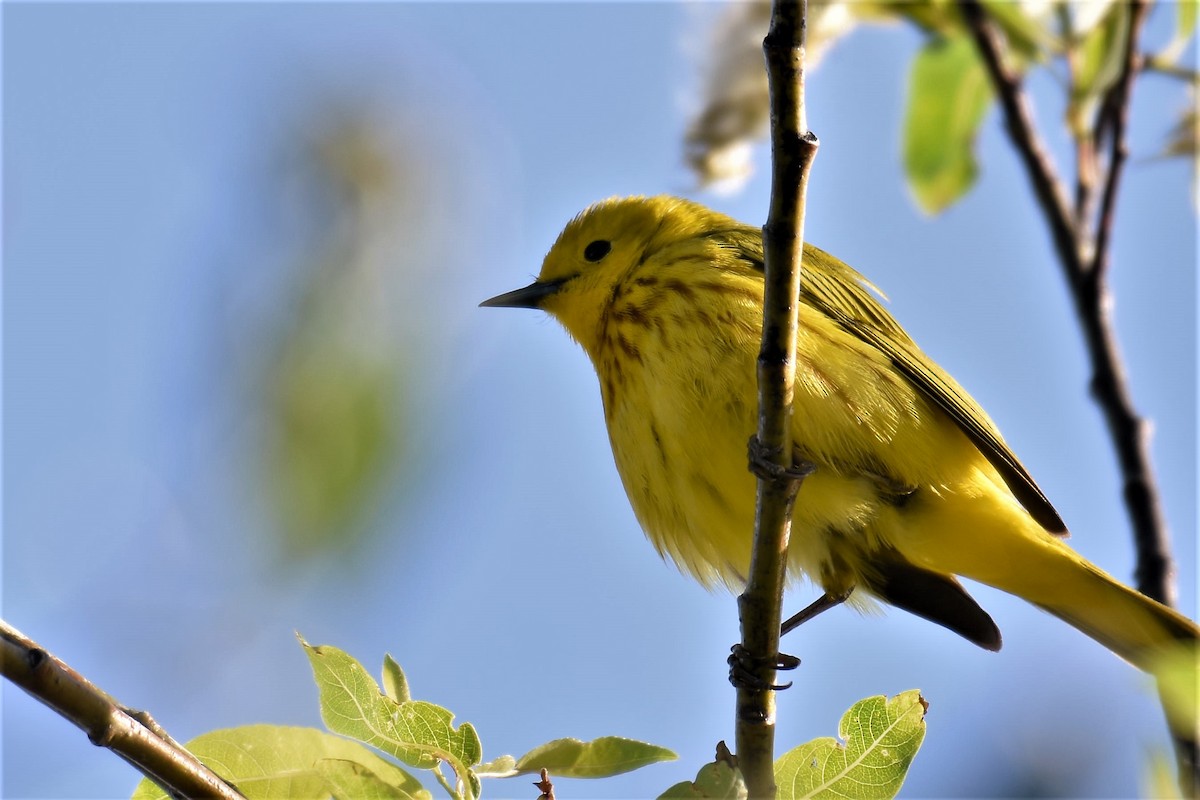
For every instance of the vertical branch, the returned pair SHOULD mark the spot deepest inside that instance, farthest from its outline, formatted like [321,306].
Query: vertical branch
[793,148]
[1085,265]
[1018,121]
[1110,387]
[1085,258]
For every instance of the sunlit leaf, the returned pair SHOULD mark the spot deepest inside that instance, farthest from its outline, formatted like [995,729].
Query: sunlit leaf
[1028,34]
[395,684]
[715,781]
[275,762]
[502,767]
[353,780]
[948,94]
[1185,31]
[879,738]
[1099,60]
[599,758]
[418,733]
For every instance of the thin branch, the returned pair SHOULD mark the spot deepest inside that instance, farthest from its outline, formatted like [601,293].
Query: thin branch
[1085,260]
[793,148]
[1130,433]
[1155,571]
[132,735]
[1018,121]
[1157,65]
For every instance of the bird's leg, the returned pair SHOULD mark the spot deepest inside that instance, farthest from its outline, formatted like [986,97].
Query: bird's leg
[822,603]
[743,666]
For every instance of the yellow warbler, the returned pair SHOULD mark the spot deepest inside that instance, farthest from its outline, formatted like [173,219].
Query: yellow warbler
[913,484]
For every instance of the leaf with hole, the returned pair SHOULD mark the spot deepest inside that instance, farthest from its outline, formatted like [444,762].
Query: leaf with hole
[879,738]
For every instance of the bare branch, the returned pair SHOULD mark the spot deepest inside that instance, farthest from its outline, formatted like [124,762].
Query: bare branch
[132,735]
[793,148]
[1018,121]
[1085,258]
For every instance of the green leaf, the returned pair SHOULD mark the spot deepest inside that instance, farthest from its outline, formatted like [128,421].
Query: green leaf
[599,758]
[1027,35]
[715,781]
[502,767]
[1158,779]
[1185,30]
[1182,138]
[275,762]
[332,433]
[931,16]
[1099,59]
[881,737]
[947,97]
[353,780]
[395,685]
[1178,673]
[418,733]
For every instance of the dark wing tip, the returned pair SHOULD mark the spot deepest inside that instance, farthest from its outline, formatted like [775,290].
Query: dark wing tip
[935,597]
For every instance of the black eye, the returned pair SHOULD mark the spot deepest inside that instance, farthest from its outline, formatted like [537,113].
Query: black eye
[597,250]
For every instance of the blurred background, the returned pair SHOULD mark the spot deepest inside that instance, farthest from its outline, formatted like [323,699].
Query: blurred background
[248,392]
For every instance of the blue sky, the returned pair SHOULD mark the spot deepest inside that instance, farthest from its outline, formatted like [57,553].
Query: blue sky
[155,219]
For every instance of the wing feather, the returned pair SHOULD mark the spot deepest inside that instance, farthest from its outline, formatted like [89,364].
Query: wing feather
[845,296]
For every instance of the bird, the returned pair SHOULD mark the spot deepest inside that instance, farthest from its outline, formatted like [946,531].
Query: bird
[912,486]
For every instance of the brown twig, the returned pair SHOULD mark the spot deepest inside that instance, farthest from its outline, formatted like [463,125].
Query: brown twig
[1085,258]
[132,735]
[545,787]
[793,148]
[1130,433]
[1018,121]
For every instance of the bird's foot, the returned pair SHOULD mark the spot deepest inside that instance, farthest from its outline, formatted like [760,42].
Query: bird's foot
[744,668]
[763,464]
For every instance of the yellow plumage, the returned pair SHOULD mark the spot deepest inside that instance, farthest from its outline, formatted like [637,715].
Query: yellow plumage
[913,483]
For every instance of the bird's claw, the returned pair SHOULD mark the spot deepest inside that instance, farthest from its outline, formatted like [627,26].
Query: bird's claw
[743,669]
[763,465]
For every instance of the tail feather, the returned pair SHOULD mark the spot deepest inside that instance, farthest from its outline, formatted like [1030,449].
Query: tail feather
[1125,621]
[993,541]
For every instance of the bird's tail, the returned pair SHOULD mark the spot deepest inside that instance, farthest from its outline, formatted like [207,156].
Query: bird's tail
[989,538]
[992,540]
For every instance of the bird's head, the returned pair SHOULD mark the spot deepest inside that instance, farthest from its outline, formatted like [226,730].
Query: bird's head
[596,253]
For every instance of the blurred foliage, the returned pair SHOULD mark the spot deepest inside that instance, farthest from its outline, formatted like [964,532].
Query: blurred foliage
[1182,141]
[1158,780]
[1178,676]
[948,94]
[332,385]
[735,93]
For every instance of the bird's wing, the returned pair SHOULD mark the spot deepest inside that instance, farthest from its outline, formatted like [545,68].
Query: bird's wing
[845,296]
